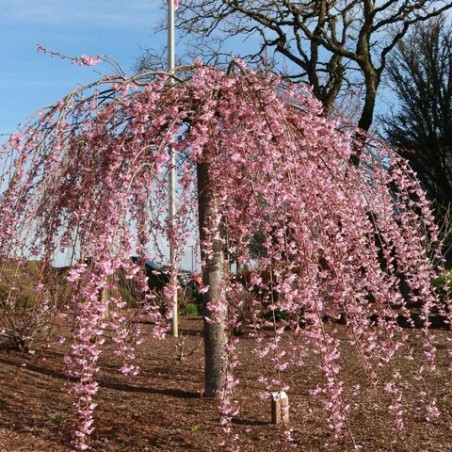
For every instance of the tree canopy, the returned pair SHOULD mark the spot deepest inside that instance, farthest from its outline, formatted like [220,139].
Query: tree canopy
[88,173]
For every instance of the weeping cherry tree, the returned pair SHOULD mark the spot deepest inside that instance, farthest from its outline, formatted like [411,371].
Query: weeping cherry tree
[255,157]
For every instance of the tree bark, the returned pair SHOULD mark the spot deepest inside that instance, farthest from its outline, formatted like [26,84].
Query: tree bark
[214,330]
[365,121]
[372,81]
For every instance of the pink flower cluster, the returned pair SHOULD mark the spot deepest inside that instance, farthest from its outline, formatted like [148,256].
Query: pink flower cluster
[86,60]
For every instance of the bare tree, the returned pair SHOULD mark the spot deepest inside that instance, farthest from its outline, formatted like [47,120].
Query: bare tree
[330,44]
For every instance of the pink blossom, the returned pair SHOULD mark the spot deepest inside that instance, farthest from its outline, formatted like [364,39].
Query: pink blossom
[86,60]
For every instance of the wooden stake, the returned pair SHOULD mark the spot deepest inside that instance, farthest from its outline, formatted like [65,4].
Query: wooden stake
[280,407]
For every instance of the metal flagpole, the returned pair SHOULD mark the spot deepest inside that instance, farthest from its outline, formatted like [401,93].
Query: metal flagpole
[172,169]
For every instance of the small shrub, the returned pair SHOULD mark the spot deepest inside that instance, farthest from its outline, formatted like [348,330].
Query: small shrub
[24,310]
[192,309]
[190,298]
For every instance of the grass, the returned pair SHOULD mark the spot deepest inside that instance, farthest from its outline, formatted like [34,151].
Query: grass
[192,309]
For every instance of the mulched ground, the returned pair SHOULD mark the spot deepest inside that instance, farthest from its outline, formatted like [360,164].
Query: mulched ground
[162,409]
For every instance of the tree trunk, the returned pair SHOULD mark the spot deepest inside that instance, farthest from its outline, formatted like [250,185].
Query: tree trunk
[372,80]
[214,331]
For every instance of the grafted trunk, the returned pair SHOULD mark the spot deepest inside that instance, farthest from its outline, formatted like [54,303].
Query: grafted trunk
[214,331]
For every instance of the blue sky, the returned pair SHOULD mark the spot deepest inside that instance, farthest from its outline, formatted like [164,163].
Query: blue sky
[31,80]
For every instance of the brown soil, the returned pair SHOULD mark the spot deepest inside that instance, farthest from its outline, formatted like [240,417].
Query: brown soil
[162,409]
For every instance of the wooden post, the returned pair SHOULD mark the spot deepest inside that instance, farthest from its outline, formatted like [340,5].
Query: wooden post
[280,407]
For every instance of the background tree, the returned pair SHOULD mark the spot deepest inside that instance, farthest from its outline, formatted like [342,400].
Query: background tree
[332,45]
[420,74]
